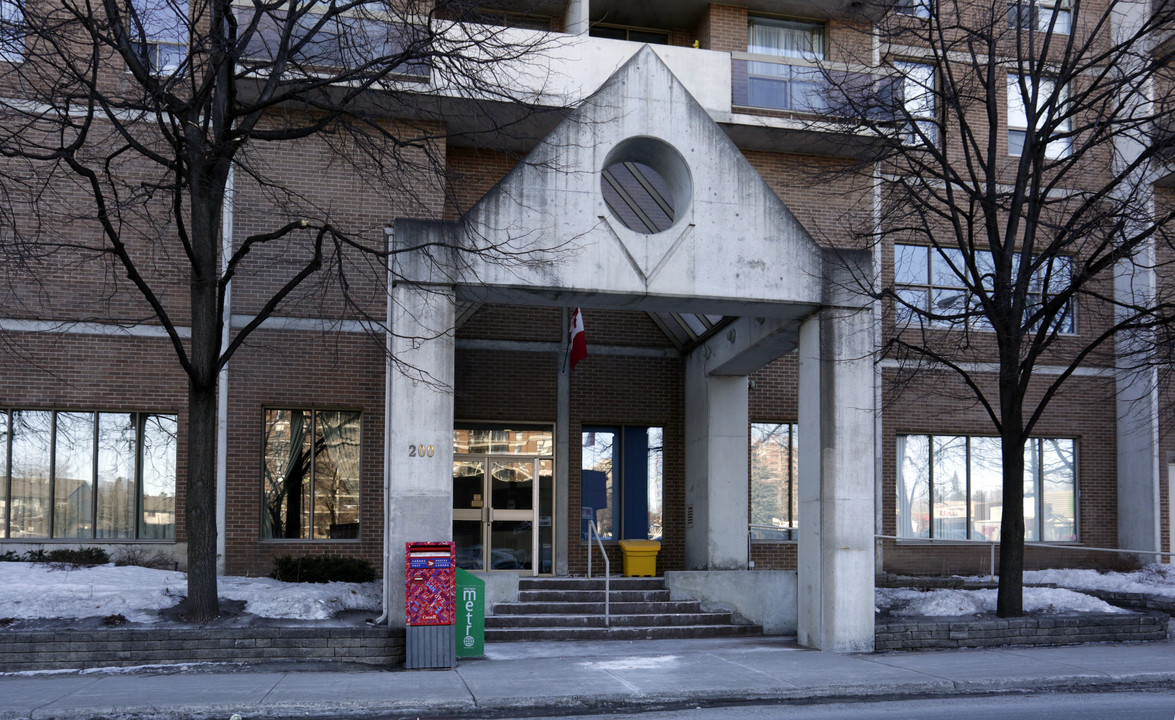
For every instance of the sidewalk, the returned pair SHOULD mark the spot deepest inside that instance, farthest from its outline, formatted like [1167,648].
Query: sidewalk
[583,677]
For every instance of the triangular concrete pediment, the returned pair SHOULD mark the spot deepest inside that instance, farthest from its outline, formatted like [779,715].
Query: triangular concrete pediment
[733,248]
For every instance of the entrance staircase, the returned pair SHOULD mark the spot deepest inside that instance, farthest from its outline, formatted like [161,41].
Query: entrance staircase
[573,609]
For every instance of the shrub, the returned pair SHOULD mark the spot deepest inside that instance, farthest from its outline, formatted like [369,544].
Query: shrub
[322,569]
[142,557]
[10,556]
[76,557]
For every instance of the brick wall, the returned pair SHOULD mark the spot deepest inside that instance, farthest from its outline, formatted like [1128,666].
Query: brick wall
[302,370]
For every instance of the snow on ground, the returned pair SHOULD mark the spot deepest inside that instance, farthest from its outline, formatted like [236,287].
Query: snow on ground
[1150,580]
[938,603]
[35,590]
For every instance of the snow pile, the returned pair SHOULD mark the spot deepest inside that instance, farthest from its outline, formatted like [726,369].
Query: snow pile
[266,597]
[940,603]
[1150,580]
[34,590]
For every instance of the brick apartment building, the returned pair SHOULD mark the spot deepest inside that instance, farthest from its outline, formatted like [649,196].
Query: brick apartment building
[691,197]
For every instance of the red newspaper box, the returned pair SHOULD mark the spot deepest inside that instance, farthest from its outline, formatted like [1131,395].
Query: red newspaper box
[430,584]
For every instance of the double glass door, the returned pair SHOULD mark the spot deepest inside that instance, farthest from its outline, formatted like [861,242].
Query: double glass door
[502,510]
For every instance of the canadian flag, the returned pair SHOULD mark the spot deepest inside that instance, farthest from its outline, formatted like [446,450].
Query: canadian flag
[578,339]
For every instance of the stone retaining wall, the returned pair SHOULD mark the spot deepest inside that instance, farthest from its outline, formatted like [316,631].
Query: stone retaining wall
[925,633]
[82,649]
[1135,601]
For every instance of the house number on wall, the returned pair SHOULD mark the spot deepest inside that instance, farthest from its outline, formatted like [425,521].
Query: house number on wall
[421,450]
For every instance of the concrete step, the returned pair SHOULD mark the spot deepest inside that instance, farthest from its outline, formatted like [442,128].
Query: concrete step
[562,596]
[496,635]
[655,620]
[596,583]
[597,608]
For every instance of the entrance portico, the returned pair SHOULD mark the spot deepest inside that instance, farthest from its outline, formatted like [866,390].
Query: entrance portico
[725,246]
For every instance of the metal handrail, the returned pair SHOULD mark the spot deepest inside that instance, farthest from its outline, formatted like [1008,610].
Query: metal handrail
[1029,543]
[594,532]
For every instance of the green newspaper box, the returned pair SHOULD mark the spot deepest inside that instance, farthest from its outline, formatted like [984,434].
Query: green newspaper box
[471,614]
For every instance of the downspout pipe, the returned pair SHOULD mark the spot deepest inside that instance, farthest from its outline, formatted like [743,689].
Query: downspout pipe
[387,464]
[226,252]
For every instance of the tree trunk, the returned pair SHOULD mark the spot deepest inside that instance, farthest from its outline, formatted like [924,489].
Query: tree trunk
[206,196]
[200,515]
[1010,598]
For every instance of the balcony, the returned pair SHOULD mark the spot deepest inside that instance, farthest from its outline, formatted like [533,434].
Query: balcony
[779,102]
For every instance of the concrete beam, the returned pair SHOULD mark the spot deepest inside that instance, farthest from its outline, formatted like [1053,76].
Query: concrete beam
[748,344]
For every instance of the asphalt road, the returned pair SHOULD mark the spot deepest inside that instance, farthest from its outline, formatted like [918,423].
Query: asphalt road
[1158,705]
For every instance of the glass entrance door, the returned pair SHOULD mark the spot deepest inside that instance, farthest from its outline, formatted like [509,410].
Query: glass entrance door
[497,523]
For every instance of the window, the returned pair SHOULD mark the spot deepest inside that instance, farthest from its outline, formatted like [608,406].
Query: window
[1039,15]
[928,286]
[161,34]
[914,8]
[786,38]
[11,31]
[87,475]
[622,479]
[780,85]
[951,487]
[1020,91]
[311,474]
[774,481]
[617,32]
[509,19]
[919,103]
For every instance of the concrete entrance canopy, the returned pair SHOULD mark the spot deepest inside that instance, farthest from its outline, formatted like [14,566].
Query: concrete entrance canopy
[728,246]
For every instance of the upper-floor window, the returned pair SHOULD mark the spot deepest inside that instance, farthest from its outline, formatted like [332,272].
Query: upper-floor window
[87,475]
[160,34]
[511,19]
[951,487]
[1039,15]
[914,8]
[786,38]
[1021,89]
[619,32]
[11,31]
[919,102]
[929,285]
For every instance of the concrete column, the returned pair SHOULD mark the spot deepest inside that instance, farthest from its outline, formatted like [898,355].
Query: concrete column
[576,19]
[1139,501]
[716,468]
[420,438]
[836,496]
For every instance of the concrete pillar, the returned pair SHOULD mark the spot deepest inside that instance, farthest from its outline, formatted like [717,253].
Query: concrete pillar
[419,505]
[1139,501]
[575,18]
[1135,283]
[716,468]
[836,496]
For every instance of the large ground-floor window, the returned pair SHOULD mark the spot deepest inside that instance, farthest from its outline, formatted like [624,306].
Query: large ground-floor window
[774,506]
[622,481]
[311,474]
[951,486]
[87,475]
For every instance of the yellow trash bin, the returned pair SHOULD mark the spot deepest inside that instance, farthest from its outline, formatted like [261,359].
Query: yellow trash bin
[640,557]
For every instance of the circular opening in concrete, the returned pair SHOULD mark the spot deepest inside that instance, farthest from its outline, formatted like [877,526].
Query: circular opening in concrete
[646,184]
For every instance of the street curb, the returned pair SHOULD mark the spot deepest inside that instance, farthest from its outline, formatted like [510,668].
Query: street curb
[613,702]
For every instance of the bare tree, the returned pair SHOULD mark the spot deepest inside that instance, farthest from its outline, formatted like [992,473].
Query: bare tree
[126,124]
[1017,148]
